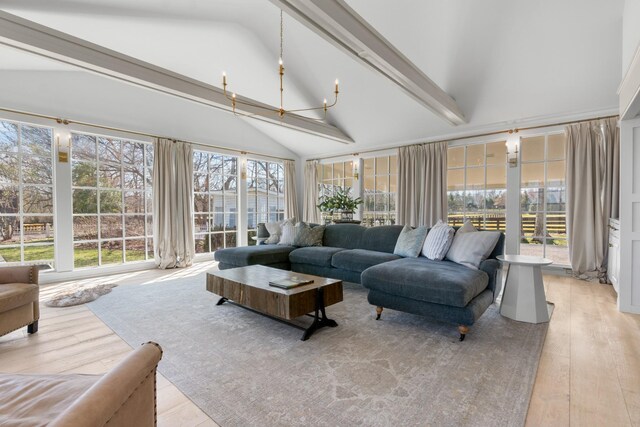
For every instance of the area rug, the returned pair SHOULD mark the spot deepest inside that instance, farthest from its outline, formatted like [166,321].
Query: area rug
[79,295]
[244,369]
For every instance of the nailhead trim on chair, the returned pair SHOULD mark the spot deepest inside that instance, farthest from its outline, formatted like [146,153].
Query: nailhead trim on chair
[19,327]
[155,390]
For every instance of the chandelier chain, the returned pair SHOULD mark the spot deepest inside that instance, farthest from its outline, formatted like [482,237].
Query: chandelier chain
[281,34]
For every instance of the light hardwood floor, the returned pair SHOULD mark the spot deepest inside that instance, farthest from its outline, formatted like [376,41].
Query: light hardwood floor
[589,371]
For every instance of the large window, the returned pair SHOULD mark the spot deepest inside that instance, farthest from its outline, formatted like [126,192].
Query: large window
[26,194]
[542,197]
[477,185]
[265,194]
[111,185]
[335,175]
[215,186]
[380,176]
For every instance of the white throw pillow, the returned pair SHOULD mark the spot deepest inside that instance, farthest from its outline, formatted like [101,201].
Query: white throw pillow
[275,231]
[438,241]
[470,247]
[288,233]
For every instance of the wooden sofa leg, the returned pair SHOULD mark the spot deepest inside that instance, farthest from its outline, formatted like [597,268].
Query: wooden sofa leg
[33,328]
[378,312]
[463,331]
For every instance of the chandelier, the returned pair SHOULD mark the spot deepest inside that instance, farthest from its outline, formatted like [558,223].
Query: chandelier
[281,112]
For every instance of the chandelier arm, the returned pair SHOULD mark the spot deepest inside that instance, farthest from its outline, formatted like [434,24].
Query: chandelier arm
[314,108]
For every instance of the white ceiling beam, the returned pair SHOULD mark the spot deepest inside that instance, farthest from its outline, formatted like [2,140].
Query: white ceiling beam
[32,37]
[338,23]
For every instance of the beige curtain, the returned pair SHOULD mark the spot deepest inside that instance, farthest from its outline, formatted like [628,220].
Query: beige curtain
[174,244]
[290,194]
[592,180]
[311,212]
[422,184]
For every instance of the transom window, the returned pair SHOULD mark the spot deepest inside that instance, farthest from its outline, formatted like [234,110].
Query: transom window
[380,176]
[477,185]
[111,185]
[265,194]
[26,194]
[215,186]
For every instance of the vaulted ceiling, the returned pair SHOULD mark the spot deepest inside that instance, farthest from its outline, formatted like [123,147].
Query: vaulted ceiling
[502,61]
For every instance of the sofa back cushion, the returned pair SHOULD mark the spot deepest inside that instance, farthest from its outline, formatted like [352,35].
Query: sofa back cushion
[382,238]
[410,241]
[347,236]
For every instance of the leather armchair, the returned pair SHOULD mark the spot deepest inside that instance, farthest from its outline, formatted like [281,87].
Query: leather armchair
[19,294]
[124,396]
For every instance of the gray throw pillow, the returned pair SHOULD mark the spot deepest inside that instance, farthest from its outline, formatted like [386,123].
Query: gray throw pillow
[288,233]
[308,236]
[470,248]
[410,242]
[275,230]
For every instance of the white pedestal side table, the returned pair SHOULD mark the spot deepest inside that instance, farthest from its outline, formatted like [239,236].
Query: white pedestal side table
[523,297]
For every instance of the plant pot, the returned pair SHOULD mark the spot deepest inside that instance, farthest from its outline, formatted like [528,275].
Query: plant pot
[346,215]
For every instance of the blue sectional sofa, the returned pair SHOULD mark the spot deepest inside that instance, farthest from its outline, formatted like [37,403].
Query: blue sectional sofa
[442,290]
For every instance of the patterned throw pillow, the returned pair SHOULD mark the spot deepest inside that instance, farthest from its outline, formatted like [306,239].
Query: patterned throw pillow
[470,247]
[307,236]
[275,231]
[288,233]
[438,241]
[410,242]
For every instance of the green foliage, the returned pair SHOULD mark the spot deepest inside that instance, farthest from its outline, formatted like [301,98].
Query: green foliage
[341,201]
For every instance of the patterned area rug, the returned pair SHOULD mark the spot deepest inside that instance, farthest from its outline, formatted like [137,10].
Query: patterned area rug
[243,369]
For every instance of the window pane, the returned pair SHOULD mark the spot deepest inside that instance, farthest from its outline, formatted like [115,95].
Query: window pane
[111,252]
[475,178]
[9,171]
[393,165]
[217,241]
[109,150]
[556,146]
[37,199]
[369,166]
[110,176]
[133,177]
[382,184]
[134,226]
[348,169]
[532,225]
[110,201]
[133,153]
[37,170]
[85,228]
[200,203]
[110,226]
[85,201]
[532,149]
[455,157]
[9,199]
[497,153]
[532,175]
[37,229]
[558,251]
[555,174]
[10,231]
[475,155]
[38,253]
[83,147]
[532,199]
[134,202]
[135,250]
[202,243]
[85,255]
[36,141]
[338,170]
[83,174]
[382,165]
[201,223]
[8,136]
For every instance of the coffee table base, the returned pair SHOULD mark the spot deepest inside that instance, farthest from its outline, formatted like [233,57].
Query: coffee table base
[320,319]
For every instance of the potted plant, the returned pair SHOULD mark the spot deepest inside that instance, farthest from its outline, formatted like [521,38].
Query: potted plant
[340,202]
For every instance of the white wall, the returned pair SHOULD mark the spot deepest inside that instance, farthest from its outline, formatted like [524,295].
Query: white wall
[630,32]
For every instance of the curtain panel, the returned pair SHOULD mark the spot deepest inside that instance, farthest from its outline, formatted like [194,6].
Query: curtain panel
[290,194]
[174,244]
[593,182]
[422,184]
[311,213]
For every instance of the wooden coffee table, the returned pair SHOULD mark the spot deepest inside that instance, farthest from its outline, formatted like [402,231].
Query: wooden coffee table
[248,287]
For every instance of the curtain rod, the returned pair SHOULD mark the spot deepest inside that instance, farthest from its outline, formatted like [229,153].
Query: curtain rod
[478,135]
[67,122]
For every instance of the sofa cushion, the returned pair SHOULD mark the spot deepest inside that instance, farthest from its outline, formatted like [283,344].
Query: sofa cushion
[381,239]
[439,282]
[360,259]
[13,295]
[347,236]
[307,235]
[250,255]
[35,400]
[314,255]
[410,241]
